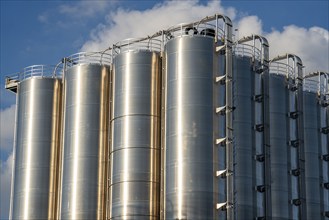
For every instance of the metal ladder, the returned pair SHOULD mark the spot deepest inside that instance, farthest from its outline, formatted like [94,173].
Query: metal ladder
[227,80]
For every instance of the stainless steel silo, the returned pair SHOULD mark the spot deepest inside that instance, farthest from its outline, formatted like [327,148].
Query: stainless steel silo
[135,131]
[316,144]
[189,122]
[85,141]
[191,188]
[250,65]
[38,126]
[286,138]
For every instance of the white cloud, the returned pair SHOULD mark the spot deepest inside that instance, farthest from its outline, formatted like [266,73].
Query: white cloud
[7,98]
[7,117]
[84,9]
[5,186]
[123,23]
[43,18]
[310,44]
[249,25]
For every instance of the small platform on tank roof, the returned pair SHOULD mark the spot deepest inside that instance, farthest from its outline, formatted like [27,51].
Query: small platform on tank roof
[11,84]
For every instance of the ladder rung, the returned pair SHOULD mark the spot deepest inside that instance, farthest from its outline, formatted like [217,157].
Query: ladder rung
[219,48]
[221,141]
[221,79]
[221,206]
[221,110]
[221,173]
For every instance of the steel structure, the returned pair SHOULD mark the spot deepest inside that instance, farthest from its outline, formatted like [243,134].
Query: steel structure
[135,131]
[316,101]
[251,129]
[189,115]
[181,124]
[286,137]
[85,136]
[37,140]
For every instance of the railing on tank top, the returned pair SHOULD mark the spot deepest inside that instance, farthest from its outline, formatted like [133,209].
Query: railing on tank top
[101,58]
[247,50]
[282,69]
[137,44]
[196,29]
[41,71]
[317,82]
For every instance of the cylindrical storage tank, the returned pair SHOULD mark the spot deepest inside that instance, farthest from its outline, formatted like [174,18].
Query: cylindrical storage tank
[287,138]
[135,135]
[189,191]
[245,146]
[316,145]
[85,141]
[279,148]
[313,150]
[38,122]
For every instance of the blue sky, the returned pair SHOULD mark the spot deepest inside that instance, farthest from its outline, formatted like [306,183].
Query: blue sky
[43,32]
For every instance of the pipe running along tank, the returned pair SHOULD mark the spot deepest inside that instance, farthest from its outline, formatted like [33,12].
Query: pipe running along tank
[316,101]
[250,126]
[191,64]
[85,141]
[286,137]
[36,146]
[135,130]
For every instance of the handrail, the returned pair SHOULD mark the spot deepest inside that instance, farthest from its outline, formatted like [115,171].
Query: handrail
[224,33]
[43,71]
[282,69]
[137,44]
[263,50]
[293,70]
[194,29]
[101,58]
[247,50]
[207,26]
[317,82]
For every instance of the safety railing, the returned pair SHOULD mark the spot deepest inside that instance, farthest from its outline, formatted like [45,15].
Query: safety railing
[247,50]
[200,29]
[101,58]
[310,85]
[137,44]
[282,69]
[317,82]
[43,71]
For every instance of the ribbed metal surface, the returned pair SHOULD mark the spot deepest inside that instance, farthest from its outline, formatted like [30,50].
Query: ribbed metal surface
[36,145]
[135,136]
[313,148]
[189,172]
[279,148]
[249,172]
[243,124]
[86,105]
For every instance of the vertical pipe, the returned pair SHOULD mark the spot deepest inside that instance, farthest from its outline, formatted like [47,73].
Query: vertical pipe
[54,176]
